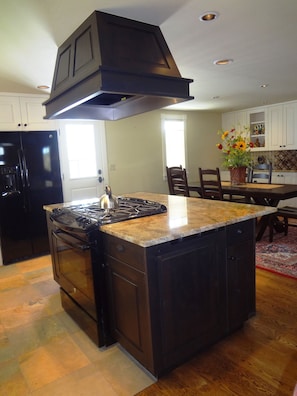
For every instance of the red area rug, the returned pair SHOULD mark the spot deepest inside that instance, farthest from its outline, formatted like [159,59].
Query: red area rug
[279,256]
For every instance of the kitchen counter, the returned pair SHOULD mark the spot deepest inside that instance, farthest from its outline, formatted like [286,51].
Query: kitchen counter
[184,217]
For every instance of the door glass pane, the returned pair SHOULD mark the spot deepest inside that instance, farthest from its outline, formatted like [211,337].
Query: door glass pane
[81,150]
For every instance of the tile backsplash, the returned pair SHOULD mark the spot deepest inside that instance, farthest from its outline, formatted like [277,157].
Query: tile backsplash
[281,160]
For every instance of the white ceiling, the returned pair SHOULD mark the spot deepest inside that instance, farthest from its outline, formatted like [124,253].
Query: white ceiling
[259,35]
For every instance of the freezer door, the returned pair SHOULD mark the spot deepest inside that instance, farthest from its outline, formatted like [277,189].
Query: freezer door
[35,158]
[15,241]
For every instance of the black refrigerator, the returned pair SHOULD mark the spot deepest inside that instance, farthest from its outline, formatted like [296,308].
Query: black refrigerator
[30,177]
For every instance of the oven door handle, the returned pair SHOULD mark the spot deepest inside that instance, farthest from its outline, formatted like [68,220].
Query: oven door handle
[82,247]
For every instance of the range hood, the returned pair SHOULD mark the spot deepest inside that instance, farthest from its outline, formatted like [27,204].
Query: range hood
[111,68]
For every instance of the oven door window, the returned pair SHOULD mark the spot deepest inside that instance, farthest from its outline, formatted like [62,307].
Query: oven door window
[73,262]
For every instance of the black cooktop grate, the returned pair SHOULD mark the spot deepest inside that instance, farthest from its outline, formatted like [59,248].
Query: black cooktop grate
[86,216]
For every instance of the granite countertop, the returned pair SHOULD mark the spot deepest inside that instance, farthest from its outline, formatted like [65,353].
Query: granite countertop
[184,217]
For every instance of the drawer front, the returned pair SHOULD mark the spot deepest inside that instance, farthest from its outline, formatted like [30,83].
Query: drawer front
[240,231]
[125,251]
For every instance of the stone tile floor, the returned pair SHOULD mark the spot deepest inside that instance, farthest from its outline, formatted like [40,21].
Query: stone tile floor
[44,353]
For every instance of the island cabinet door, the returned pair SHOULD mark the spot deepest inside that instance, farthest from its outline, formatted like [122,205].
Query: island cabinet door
[128,298]
[188,298]
[240,273]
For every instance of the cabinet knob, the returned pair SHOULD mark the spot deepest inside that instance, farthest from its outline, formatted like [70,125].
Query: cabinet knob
[19,125]
[239,231]
[120,248]
[25,125]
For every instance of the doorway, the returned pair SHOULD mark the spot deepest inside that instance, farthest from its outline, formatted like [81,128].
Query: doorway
[83,159]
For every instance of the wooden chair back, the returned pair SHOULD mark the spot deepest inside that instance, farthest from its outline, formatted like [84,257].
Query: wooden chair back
[177,181]
[210,182]
[261,173]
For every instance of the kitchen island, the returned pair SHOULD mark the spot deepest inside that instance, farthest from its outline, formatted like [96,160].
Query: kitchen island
[180,281]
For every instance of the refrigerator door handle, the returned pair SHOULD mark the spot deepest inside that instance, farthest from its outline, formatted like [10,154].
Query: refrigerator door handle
[23,169]
[27,181]
[20,157]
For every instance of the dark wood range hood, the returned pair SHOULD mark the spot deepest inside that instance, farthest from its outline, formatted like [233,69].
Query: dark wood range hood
[113,67]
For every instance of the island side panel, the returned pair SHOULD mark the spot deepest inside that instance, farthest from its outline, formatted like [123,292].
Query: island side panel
[241,263]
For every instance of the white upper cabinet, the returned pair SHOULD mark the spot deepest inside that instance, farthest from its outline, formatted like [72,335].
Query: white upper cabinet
[23,113]
[283,126]
[234,119]
[272,127]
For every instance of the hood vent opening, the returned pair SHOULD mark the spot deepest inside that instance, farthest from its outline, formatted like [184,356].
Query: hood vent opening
[113,67]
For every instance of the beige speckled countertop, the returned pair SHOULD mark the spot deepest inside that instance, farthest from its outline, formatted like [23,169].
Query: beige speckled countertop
[184,217]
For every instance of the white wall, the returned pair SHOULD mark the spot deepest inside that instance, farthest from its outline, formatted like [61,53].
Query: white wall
[134,150]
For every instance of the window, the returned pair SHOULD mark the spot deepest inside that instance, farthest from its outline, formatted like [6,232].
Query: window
[173,131]
[80,143]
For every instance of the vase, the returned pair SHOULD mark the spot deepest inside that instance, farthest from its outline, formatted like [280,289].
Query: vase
[238,175]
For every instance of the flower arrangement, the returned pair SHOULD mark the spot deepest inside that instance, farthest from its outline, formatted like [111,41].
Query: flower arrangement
[236,148]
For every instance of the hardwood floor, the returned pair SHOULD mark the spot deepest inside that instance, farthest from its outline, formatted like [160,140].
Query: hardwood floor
[259,359]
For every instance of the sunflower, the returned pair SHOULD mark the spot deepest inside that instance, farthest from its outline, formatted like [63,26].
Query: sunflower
[241,145]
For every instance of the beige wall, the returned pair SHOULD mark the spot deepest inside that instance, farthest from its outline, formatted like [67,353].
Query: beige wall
[134,150]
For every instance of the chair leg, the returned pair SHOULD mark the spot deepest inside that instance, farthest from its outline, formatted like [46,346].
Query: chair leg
[271,221]
[286,225]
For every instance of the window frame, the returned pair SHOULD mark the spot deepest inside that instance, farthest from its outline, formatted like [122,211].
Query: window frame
[173,117]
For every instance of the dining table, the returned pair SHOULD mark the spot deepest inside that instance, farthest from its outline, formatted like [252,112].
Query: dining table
[259,194]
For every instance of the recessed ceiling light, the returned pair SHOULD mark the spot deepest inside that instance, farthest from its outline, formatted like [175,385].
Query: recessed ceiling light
[264,86]
[209,16]
[223,62]
[216,97]
[43,87]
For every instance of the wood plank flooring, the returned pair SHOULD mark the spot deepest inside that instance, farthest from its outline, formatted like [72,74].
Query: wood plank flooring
[259,359]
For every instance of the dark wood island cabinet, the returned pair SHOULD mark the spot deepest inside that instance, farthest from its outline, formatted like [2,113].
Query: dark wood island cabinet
[171,300]
[164,286]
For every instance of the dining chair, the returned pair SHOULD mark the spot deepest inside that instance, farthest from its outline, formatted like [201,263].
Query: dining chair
[261,173]
[177,181]
[210,183]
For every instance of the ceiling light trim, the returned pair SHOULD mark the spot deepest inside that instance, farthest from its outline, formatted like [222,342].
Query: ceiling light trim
[223,62]
[209,16]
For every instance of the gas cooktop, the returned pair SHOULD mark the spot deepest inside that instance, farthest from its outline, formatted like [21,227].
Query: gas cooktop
[85,217]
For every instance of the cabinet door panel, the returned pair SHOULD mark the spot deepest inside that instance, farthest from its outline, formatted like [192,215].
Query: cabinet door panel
[240,282]
[290,125]
[240,273]
[33,112]
[10,114]
[191,294]
[130,320]
[276,127]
